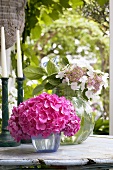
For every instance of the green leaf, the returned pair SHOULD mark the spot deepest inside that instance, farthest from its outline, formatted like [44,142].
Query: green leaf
[46,18]
[36,32]
[51,68]
[34,61]
[65,61]
[101,127]
[98,124]
[58,7]
[38,89]
[28,92]
[102,2]
[76,3]
[34,73]
[32,21]
[64,90]
[48,86]
[65,3]
[54,82]
[47,3]
[28,50]
[54,15]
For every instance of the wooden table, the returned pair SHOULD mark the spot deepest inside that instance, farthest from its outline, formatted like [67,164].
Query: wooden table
[94,153]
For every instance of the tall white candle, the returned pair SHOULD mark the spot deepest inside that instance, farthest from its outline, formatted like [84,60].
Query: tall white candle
[19,57]
[3,54]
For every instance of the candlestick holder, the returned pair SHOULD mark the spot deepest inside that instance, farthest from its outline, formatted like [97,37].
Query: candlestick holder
[20,99]
[19,90]
[5,138]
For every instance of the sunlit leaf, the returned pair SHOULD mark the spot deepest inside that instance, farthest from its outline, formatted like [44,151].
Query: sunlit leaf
[34,73]
[54,14]
[76,3]
[51,68]
[46,18]
[65,61]
[36,32]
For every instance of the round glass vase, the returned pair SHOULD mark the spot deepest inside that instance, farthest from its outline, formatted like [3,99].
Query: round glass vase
[83,110]
[46,144]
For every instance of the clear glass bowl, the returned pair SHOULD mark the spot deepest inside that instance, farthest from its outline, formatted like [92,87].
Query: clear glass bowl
[83,110]
[48,144]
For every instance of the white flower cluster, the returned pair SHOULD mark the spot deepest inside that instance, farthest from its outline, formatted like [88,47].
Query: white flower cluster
[82,77]
[87,84]
[12,93]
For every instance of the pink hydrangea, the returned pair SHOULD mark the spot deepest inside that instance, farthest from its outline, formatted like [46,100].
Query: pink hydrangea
[44,114]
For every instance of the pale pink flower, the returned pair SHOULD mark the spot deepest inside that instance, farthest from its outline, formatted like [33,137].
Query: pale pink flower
[74,86]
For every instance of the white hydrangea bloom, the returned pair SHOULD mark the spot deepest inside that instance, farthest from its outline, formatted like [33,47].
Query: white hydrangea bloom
[74,86]
[66,80]
[89,94]
[105,78]
[95,98]
[11,99]
[73,66]
[83,80]
[60,74]
[13,91]
[90,73]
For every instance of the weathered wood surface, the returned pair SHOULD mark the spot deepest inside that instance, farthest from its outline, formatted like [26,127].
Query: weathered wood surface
[96,151]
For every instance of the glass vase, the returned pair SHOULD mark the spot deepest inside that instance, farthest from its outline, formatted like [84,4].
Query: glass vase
[46,144]
[83,110]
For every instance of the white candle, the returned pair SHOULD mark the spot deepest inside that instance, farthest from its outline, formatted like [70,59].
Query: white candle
[3,54]
[19,58]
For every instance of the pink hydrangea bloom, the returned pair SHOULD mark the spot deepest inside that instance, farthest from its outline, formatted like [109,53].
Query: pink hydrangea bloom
[43,114]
